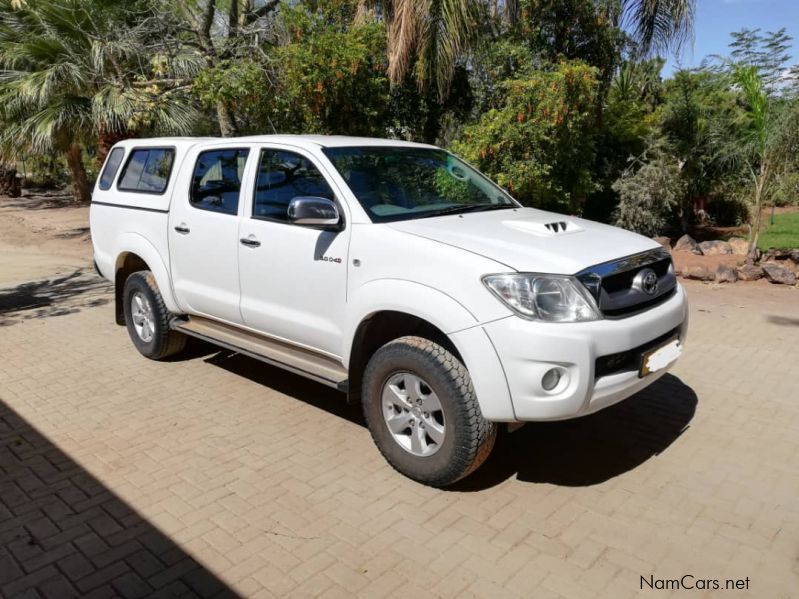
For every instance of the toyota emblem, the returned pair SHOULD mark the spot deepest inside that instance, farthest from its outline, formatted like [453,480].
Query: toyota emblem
[647,281]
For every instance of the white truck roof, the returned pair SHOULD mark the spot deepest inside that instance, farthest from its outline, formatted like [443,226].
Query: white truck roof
[325,141]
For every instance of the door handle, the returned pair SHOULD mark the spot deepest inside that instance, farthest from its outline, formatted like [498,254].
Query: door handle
[250,243]
[182,229]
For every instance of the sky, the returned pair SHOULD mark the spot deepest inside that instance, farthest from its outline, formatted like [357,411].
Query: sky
[715,19]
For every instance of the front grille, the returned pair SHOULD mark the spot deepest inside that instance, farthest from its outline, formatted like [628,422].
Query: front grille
[640,307]
[629,360]
[618,289]
[624,280]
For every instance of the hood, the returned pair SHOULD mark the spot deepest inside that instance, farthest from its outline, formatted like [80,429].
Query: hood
[530,240]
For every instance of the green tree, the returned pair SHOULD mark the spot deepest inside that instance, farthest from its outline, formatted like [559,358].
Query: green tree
[767,137]
[649,189]
[222,33]
[630,115]
[698,111]
[538,142]
[79,71]
[768,53]
[330,76]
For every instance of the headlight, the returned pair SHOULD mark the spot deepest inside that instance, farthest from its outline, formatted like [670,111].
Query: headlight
[550,298]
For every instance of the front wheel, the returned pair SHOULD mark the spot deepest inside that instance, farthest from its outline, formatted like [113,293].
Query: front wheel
[423,414]
[147,318]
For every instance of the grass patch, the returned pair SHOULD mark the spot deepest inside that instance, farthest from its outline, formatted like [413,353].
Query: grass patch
[784,233]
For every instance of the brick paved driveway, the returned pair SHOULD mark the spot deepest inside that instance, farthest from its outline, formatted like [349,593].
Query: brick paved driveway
[216,474]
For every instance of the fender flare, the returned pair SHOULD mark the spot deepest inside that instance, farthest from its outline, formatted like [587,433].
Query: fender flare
[410,297]
[453,319]
[134,243]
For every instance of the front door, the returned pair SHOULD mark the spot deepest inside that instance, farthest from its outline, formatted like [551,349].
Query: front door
[204,233]
[293,278]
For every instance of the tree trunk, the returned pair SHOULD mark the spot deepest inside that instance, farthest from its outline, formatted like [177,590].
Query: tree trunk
[80,182]
[432,122]
[227,122]
[760,185]
[9,183]
[105,141]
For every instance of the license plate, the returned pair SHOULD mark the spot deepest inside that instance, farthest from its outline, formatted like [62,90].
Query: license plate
[660,357]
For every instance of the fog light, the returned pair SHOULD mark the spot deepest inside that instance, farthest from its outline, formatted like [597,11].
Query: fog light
[551,379]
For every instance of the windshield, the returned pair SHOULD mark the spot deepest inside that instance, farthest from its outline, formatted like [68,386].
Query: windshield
[398,183]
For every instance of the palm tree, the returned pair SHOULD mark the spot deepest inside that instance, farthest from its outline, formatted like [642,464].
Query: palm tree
[427,37]
[658,25]
[766,138]
[78,71]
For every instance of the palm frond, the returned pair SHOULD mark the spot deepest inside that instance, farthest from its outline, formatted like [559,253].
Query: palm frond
[430,36]
[658,25]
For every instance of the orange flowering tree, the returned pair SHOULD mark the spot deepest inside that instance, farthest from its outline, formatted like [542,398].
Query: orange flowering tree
[538,143]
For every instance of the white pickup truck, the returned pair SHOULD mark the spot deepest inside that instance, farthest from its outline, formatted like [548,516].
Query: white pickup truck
[392,271]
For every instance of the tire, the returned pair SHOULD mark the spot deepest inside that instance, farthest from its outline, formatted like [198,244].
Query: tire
[411,370]
[155,339]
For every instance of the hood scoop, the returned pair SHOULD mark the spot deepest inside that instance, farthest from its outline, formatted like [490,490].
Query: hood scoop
[545,229]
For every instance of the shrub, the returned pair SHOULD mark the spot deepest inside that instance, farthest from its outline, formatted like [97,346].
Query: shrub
[537,143]
[648,192]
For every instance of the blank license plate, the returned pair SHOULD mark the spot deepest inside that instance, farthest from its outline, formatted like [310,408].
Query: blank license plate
[660,357]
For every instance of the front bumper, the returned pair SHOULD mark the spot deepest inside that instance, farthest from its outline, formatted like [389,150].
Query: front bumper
[527,349]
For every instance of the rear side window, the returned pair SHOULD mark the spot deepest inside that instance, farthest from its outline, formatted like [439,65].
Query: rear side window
[111,168]
[216,182]
[147,170]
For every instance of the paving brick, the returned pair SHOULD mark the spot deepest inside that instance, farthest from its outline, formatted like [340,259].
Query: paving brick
[58,588]
[222,476]
[131,586]
[23,583]
[102,576]
[9,569]
[75,566]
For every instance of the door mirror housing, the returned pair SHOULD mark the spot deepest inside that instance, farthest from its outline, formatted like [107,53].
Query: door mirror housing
[314,212]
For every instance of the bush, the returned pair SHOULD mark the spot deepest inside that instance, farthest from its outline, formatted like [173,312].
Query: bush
[648,192]
[331,78]
[46,170]
[728,211]
[537,143]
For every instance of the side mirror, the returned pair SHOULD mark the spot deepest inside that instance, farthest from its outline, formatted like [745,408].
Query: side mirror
[314,212]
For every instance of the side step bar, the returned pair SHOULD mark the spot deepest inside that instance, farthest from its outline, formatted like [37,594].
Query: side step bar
[277,353]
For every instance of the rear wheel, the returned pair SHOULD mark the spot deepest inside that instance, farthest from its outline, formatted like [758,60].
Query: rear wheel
[147,318]
[423,414]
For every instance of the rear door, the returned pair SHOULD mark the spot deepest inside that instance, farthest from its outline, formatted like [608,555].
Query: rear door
[204,230]
[293,278]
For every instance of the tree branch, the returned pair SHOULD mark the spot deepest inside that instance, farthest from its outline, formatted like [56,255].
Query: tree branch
[256,14]
[233,19]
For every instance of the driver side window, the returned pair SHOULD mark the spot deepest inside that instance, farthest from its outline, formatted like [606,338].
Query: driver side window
[283,176]
[216,182]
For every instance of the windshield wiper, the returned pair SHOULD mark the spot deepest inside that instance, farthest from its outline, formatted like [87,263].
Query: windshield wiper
[471,208]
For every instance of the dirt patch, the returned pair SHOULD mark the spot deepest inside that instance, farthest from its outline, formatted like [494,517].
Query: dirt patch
[42,234]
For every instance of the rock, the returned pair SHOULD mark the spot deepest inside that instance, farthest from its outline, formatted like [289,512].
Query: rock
[795,256]
[700,273]
[740,247]
[726,274]
[715,248]
[777,254]
[686,243]
[664,241]
[778,274]
[750,272]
